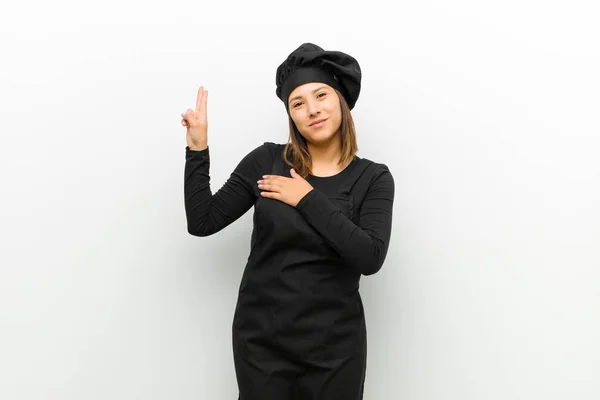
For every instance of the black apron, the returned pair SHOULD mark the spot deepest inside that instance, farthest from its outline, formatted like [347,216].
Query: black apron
[298,303]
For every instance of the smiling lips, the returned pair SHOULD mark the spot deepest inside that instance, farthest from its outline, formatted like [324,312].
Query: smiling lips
[318,123]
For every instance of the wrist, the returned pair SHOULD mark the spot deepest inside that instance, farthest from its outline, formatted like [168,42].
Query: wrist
[197,147]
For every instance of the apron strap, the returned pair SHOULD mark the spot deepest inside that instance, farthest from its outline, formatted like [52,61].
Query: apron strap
[362,166]
[280,167]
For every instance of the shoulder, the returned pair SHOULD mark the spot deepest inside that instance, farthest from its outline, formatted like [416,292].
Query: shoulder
[261,156]
[270,148]
[374,167]
[264,151]
[274,148]
[377,173]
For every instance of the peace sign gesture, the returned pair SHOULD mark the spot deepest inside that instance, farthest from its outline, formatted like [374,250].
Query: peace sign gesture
[196,122]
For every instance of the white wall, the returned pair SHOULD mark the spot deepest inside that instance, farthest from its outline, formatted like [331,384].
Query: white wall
[486,114]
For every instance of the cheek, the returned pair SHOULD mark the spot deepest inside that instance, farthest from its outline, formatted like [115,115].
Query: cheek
[336,113]
[296,119]
[334,109]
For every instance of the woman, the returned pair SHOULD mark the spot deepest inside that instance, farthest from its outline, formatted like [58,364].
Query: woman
[322,219]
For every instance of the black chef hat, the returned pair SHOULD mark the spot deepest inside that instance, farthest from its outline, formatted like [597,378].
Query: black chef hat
[310,63]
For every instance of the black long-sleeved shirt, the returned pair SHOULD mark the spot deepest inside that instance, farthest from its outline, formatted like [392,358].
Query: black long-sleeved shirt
[361,243]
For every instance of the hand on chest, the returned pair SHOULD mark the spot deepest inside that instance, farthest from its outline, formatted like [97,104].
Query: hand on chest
[278,218]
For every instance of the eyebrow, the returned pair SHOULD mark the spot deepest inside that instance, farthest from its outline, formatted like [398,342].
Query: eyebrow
[299,97]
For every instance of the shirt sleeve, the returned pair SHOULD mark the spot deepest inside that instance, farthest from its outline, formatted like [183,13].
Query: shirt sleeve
[209,213]
[365,246]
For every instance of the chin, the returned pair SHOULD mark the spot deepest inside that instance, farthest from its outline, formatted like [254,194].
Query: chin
[321,137]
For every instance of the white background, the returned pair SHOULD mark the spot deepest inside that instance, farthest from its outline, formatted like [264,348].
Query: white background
[485,112]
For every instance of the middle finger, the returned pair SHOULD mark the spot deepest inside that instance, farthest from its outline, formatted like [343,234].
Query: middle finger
[199,98]
[268,186]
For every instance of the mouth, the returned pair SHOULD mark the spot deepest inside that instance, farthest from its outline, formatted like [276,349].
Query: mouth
[318,123]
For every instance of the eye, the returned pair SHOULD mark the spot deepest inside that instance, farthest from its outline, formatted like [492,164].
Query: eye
[322,93]
[296,104]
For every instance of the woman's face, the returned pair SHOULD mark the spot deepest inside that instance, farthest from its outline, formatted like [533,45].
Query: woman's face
[313,102]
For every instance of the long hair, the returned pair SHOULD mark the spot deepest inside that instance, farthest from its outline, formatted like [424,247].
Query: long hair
[296,155]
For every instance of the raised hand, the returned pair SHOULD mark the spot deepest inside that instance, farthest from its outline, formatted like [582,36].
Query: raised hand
[196,122]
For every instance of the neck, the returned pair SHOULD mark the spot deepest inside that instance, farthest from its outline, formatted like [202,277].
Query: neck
[327,153]
[326,157]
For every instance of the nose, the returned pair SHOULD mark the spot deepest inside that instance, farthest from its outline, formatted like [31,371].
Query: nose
[313,108]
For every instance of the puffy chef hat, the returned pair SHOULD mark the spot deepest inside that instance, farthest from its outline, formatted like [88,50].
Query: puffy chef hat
[310,63]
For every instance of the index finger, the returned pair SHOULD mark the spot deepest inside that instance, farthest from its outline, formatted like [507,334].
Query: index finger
[199,97]
[274,177]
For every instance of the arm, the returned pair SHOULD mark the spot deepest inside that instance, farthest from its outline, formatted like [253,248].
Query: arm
[365,246]
[207,213]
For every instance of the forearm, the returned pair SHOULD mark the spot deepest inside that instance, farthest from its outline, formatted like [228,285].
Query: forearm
[207,213]
[362,247]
